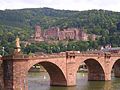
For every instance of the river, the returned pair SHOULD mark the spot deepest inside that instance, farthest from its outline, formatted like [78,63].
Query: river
[40,81]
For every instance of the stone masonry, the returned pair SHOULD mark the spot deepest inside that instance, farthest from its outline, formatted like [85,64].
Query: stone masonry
[62,68]
[55,33]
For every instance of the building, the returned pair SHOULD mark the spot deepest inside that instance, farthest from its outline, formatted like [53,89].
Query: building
[92,37]
[38,36]
[51,33]
[68,34]
[83,36]
[55,33]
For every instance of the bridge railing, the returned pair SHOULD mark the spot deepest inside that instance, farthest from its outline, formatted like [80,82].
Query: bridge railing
[62,54]
[86,54]
[10,57]
[54,55]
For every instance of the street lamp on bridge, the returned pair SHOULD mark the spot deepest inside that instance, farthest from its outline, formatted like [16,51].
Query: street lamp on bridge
[3,50]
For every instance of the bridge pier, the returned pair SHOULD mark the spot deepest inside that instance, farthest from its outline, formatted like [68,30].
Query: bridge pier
[107,76]
[15,73]
[70,69]
[71,74]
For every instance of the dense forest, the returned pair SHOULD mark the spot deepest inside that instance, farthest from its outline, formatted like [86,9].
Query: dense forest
[21,23]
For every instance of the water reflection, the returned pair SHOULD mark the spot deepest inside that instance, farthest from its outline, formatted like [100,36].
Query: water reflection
[41,81]
[36,81]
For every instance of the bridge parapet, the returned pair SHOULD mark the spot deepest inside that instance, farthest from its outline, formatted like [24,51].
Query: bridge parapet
[46,56]
[15,57]
[90,55]
[115,55]
[84,54]
[66,54]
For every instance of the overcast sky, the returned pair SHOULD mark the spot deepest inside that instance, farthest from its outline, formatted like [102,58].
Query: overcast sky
[80,5]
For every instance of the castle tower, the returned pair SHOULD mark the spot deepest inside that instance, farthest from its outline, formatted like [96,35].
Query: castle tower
[38,34]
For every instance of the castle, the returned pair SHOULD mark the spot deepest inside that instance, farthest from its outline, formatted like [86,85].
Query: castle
[55,33]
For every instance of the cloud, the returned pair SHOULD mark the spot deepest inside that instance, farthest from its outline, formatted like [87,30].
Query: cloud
[62,4]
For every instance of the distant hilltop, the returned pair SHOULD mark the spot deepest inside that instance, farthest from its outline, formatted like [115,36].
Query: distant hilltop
[48,17]
[55,33]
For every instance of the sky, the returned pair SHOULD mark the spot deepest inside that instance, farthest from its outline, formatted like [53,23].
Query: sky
[113,5]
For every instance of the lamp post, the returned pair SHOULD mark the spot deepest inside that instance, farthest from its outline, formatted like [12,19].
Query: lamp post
[51,49]
[66,47]
[3,49]
[73,48]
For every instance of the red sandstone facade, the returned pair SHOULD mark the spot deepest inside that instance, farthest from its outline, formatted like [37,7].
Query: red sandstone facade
[62,68]
[51,33]
[55,33]
[38,35]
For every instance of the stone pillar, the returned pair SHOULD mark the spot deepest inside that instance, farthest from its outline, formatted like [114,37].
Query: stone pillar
[107,76]
[8,74]
[15,74]
[71,69]
[107,67]
[20,75]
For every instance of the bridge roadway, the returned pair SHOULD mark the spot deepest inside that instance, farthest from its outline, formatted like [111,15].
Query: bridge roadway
[62,67]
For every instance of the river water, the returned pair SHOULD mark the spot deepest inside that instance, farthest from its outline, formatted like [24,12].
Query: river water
[41,80]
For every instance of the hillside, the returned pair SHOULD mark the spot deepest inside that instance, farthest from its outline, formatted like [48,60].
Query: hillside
[46,17]
[21,22]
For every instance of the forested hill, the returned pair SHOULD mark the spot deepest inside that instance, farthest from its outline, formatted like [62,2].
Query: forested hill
[21,22]
[95,21]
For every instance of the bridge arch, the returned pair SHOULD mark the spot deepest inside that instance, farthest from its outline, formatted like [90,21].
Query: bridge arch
[57,76]
[95,69]
[115,66]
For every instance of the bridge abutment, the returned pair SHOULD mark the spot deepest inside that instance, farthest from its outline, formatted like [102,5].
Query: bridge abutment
[8,74]
[15,73]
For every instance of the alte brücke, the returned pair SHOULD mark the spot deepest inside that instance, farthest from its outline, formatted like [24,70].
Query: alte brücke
[61,67]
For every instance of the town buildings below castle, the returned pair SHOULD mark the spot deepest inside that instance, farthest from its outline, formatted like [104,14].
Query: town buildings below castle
[55,33]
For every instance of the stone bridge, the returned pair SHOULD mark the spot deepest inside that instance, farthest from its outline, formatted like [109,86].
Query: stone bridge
[61,67]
